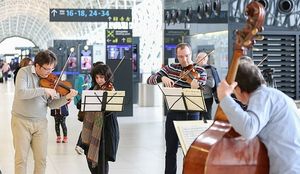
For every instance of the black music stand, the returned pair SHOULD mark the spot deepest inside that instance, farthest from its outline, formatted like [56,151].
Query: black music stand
[102,101]
[184,99]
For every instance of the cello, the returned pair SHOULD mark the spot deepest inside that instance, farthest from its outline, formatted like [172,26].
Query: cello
[220,149]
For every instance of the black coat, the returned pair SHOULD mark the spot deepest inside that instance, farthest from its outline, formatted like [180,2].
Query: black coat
[112,136]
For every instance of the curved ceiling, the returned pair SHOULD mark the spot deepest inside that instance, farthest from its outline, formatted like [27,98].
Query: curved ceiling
[30,19]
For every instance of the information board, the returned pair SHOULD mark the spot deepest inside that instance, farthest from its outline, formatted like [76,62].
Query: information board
[118,36]
[90,15]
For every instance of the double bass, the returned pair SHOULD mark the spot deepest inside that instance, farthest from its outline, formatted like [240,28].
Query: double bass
[220,149]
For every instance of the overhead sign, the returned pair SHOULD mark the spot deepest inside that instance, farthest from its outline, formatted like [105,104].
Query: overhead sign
[90,15]
[118,36]
[175,36]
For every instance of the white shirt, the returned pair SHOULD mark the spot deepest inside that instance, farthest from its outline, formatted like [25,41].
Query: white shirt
[273,117]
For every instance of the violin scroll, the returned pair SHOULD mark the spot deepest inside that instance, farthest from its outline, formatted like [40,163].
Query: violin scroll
[256,16]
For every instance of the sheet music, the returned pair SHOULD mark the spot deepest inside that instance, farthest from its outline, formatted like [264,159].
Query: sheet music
[188,131]
[92,100]
[193,97]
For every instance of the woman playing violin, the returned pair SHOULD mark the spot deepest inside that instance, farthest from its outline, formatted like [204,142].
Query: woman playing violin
[102,80]
[29,110]
[174,75]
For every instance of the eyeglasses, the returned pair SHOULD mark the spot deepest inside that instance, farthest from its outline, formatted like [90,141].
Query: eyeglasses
[48,69]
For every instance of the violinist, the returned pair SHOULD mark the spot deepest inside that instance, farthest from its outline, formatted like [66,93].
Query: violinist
[102,80]
[212,81]
[29,110]
[171,76]
[271,115]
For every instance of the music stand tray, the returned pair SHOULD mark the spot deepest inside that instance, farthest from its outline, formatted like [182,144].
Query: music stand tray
[184,99]
[93,100]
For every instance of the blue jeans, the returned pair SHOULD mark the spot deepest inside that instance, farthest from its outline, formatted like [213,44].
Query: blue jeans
[172,139]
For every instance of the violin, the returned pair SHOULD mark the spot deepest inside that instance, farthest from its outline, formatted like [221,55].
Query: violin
[52,81]
[189,73]
[107,86]
[220,149]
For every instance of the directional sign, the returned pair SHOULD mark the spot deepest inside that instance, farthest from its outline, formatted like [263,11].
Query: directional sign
[175,36]
[90,15]
[118,37]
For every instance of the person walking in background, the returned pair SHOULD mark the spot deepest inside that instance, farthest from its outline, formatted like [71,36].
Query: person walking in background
[168,75]
[60,116]
[270,114]
[29,122]
[24,62]
[210,86]
[5,71]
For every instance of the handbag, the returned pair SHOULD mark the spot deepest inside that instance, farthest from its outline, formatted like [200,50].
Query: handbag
[80,116]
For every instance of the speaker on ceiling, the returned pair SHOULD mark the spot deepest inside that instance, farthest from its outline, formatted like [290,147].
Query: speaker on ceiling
[173,16]
[200,11]
[216,7]
[188,14]
[178,15]
[168,17]
[264,3]
[285,6]
[207,9]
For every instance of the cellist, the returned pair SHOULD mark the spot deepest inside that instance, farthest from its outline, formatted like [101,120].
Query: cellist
[170,76]
[29,110]
[271,115]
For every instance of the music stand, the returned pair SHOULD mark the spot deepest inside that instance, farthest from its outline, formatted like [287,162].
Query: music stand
[184,99]
[102,101]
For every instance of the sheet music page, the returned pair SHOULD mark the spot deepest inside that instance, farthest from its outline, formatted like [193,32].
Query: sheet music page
[91,100]
[188,131]
[115,100]
[173,98]
[194,99]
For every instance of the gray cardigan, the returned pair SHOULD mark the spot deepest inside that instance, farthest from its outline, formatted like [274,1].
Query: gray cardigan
[30,100]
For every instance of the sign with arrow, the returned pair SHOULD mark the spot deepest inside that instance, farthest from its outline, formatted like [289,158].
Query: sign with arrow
[118,36]
[90,15]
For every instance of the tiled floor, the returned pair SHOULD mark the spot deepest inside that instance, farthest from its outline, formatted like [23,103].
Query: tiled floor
[141,148]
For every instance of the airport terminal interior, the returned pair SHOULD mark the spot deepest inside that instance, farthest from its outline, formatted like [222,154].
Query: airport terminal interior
[135,38]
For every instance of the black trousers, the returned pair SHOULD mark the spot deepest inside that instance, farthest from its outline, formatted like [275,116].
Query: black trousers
[208,103]
[172,139]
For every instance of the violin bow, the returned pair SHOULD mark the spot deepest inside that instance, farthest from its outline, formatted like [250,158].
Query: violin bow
[262,60]
[208,54]
[62,71]
[188,71]
[114,71]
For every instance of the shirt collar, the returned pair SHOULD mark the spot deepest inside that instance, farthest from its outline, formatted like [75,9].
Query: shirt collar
[33,69]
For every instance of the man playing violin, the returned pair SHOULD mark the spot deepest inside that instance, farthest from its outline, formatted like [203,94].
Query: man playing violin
[171,76]
[29,122]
